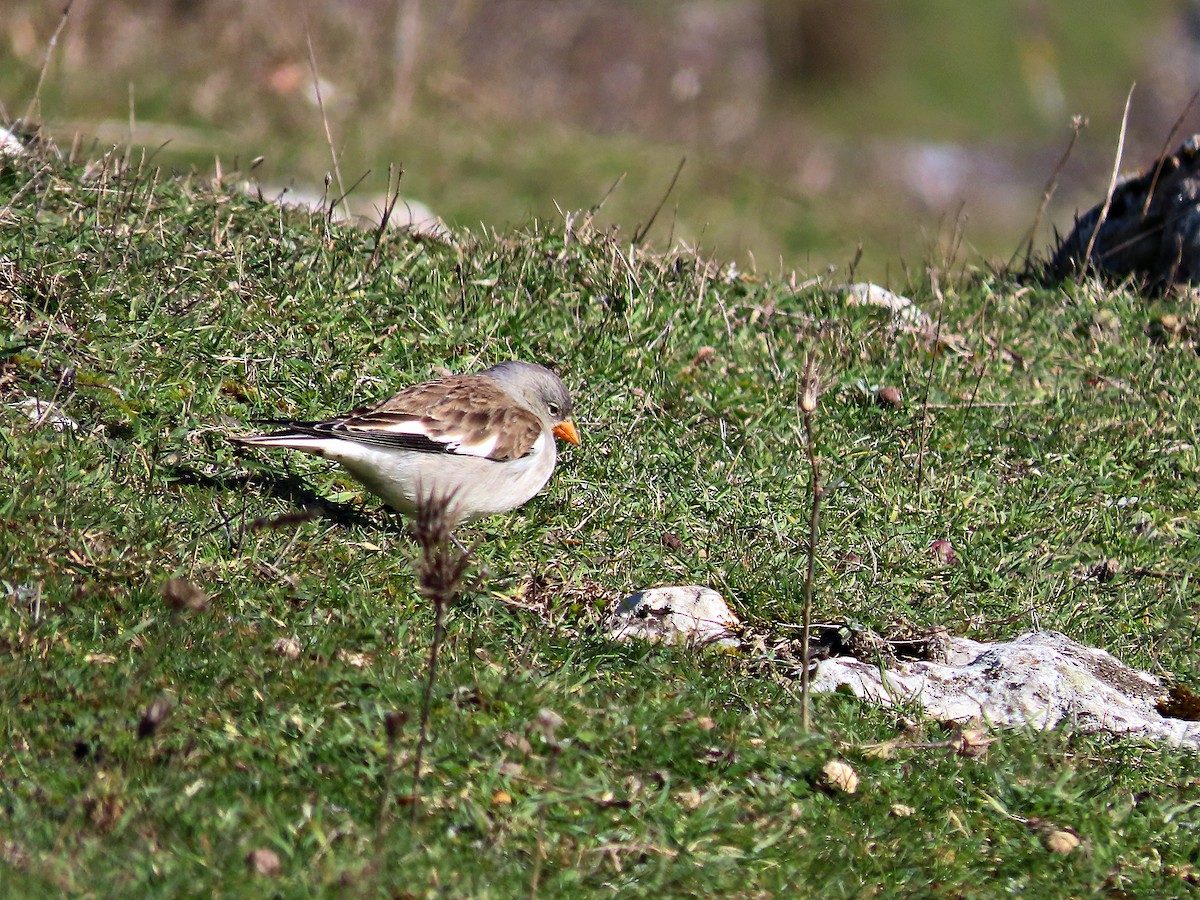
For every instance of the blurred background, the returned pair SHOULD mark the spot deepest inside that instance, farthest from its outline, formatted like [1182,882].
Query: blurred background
[809,127]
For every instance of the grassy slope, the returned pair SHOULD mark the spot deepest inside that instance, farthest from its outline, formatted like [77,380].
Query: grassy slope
[182,311]
[945,72]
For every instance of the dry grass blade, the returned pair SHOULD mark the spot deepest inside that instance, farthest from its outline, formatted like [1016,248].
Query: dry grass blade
[809,395]
[393,197]
[441,566]
[640,234]
[316,77]
[1162,154]
[1112,182]
[33,109]
[1078,123]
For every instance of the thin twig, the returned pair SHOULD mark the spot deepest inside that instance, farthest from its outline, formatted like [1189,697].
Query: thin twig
[1078,123]
[808,405]
[441,569]
[312,64]
[640,234]
[389,204]
[936,287]
[596,207]
[353,187]
[853,267]
[1112,182]
[35,101]
[439,629]
[1162,154]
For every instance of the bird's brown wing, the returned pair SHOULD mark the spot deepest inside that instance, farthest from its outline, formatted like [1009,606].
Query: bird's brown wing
[463,414]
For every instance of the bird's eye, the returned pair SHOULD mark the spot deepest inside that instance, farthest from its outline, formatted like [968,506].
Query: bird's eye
[553,409]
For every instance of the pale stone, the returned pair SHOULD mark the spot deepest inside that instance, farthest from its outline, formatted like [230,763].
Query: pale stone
[689,614]
[10,144]
[44,413]
[406,214]
[287,647]
[904,311]
[1037,680]
[840,776]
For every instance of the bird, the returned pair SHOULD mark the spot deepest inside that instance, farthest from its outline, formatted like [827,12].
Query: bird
[485,442]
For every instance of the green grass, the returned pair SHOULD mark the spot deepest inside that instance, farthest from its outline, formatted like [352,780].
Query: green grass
[163,315]
[196,86]
[950,73]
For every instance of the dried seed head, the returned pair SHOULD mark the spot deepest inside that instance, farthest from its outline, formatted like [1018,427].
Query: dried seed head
[1106,571]
[1061,842]
[810,386]
[287,647]
[548,722]
[183,596]
[840,776]
[943,552]
[263,862]
[441,565]
[889,396]
[972,742]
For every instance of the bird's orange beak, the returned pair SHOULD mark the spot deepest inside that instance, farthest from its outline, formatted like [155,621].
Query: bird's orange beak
[567,431]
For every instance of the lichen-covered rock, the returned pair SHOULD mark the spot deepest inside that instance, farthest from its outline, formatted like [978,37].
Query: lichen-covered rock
[44,413]
[1037,680]
[10,144]
[905,312]
[689,614]
[1152,228]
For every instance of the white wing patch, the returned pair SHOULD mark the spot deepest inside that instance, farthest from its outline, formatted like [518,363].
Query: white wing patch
[412,426]
[480,444]
[478,447]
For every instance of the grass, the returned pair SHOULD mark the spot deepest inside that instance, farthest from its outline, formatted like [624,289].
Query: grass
[938,74]
[204,86]
[162,314]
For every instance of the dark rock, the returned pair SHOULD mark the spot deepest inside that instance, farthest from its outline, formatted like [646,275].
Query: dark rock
[1151,231]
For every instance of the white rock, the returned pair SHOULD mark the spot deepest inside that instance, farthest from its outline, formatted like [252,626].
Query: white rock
[904,311]
[42,412]
[1037,680]
[408,214]
[671,615]
[10,144]
[413,216]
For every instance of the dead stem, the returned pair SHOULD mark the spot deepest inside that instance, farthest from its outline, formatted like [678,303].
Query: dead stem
[935,286]
[1163,154]
[1078,123]
[809,395]
[316,77]
[1112,183]
[33,111]
[441,565]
